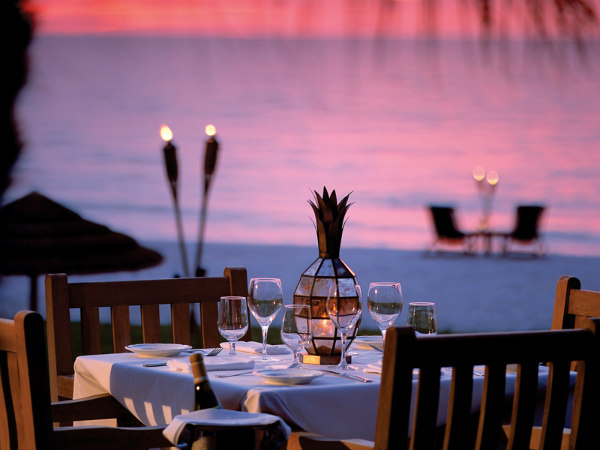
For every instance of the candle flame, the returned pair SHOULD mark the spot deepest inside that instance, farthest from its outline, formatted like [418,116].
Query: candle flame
[479,173]
[210,130]
[492,177]
[165,133]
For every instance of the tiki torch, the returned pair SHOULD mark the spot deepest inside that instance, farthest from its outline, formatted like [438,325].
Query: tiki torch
[210,163]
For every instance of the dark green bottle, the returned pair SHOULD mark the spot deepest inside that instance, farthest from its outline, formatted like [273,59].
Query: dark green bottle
[204,395]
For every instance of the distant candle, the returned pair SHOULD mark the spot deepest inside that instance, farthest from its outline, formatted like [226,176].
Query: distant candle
[479,173]
[165,133]
[492,178]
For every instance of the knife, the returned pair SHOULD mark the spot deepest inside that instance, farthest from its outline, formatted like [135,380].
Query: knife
[347,375]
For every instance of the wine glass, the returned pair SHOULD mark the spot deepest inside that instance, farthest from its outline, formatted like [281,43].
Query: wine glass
[296,329]
[344,308]
[265,298]
[232,320]
[385,303]
[421,316]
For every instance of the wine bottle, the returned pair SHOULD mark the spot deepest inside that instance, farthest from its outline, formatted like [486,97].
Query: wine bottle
[204,395]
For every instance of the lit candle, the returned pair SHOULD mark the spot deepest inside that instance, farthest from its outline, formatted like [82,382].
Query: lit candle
[170,156]
[479,176]
[210,157]
[492,178]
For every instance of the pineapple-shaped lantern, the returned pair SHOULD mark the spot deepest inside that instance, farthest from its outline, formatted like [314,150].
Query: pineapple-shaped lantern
[327,269]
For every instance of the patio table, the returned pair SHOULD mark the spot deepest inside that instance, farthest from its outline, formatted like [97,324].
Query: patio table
[330,405]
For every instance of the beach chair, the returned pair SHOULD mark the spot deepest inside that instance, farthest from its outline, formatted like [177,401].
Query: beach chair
[446,231]
[405,421]
[526,232]
[63,297]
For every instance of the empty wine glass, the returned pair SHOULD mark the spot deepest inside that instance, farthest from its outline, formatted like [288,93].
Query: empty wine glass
[384,300]
[421,316]
[232,320]
[344,308]
[265,298]
[296,329]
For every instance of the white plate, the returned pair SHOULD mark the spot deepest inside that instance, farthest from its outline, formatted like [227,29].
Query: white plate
[288,376]
[157,350]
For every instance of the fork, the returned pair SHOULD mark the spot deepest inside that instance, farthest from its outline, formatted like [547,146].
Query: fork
[213,352]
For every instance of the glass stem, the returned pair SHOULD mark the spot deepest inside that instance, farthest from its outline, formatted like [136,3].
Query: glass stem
[383,331]
[265,329]
[343,363]
[231,348]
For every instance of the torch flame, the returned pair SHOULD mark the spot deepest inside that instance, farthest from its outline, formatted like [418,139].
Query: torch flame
[479,173]
[210,130]
[165,133]
[492,177]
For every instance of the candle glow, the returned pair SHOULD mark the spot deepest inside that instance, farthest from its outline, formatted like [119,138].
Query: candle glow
[165,133]
[479,173]
[492,177]
[210,130]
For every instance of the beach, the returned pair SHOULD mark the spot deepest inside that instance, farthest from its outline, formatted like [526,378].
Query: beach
[472,293]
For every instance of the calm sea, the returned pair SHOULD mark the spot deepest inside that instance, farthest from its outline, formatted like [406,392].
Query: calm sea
[399,124]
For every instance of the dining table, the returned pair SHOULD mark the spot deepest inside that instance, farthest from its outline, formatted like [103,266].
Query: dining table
[156,389]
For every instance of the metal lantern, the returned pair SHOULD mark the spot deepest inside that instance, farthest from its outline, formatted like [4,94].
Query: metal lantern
[314,283]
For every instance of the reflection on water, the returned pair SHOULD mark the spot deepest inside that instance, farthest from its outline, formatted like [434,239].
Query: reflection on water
[399,124]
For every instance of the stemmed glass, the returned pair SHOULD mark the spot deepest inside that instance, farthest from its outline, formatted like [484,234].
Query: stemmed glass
[265,298]
[344,307]
[421,316]
[232,320]
[296,329]
[384,300]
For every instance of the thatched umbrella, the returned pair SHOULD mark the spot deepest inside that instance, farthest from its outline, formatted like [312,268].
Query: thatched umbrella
[39,236]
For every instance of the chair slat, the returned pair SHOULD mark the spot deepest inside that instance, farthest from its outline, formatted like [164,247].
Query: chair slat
[90,332]
[180,322]
[121,329]
[210,330]
[557,396]
[150,323]
[492,404]
[524,405]
[459,410]
[426,410]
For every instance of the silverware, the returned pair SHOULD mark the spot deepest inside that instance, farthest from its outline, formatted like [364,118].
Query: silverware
[347,375]
[205,352]
[227,375]
[374,347]
[156,364]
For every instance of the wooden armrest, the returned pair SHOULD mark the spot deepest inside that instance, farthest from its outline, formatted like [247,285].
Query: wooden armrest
[64,385]
[303,440]
[102,406]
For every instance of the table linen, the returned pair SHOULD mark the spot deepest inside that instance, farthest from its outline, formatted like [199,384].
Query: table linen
[331,406]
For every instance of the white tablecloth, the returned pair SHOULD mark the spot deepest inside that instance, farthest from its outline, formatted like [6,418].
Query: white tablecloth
[331,406]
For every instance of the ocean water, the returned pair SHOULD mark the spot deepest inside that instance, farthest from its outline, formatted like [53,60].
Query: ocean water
[399,124]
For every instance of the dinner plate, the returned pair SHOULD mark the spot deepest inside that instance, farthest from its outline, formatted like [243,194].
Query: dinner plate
[157,350]
[288,376]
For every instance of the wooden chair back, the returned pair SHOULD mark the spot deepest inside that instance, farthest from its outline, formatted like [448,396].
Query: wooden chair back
[572,304]
[63,297]
[405,352]
[24,387]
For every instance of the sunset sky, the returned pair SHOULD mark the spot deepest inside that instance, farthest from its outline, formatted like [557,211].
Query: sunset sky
[265,18]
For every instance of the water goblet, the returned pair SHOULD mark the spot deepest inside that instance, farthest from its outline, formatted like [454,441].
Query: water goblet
[344,308]
[384,300]
[296,329]
[232,320]
[265,298]
[421,316]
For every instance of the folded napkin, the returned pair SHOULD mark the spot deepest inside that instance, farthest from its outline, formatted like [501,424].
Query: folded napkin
[212,363]
[256,348]
[374,367]
[220,417]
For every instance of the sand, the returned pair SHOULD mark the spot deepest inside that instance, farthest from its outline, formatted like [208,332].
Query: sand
[472,293]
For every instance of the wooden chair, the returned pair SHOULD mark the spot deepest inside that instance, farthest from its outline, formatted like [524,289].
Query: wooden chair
[63,297]
[446,229]
[26,414]
[572,304]
[405,352]
[527,230]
